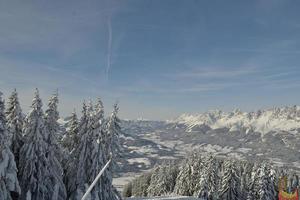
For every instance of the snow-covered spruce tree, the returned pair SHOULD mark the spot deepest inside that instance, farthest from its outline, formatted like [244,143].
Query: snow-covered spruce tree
[230,184]
[53,127]
[266,186]
[54,151]
[15,120]
[113,131]
[9,185]
[112,151]
[163,179]
[189,176]
[35,177]
[246,172]
[76,175]
[141,184]
[203,188]
[71,138]
[212,177]
[183,185]
[96,149]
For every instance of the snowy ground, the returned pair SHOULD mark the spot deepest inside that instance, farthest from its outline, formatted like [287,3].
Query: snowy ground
[164,198]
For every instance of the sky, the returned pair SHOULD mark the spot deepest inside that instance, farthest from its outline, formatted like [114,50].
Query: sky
[157,58]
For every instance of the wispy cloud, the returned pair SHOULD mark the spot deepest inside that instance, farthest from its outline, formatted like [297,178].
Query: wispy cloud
[213,72]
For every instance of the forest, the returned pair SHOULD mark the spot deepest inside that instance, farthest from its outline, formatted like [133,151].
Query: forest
[41,160]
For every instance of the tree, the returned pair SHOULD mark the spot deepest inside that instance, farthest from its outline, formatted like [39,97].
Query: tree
[113,132]
[53,127]
[141,184]
[252,185]
[34,165]
[183,181]
[189,176]
[76,175]
[15,120]
[230,185]
[212,177]
[112,149]
[163,180]
[71,138]
[96,149]
[266,186]
[8,171]
[203,189]
[54,151]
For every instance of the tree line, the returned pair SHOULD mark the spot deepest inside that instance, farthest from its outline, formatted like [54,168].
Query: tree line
[212,178]
[40,160]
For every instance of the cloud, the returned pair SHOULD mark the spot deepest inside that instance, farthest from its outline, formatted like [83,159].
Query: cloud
[213,72]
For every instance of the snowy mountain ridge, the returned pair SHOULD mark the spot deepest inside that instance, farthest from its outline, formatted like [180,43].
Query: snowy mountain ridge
[263,121]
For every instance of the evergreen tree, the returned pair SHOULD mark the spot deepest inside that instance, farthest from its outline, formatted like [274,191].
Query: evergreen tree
[112,149]
[163,180]
[230,185]
[15,122]
[76,167]
[96,149]
[35,176]
[53,127]
[203,193]
[71,139]
[212,177]
[252,185]
[54,152]
[141,184]
[9,185]
[183,185]
[266,187]
[113,132]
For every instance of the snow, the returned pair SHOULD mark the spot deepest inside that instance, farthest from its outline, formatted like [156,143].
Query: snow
[216,148]
[165,198]
[139,160]
[285,119]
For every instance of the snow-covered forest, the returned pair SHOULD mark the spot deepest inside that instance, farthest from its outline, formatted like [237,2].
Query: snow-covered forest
[209,177]
[41,160]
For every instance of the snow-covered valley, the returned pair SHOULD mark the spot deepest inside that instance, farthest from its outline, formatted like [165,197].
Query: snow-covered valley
[272,135]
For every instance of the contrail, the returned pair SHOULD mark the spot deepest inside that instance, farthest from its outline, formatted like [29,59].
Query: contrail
[109,47]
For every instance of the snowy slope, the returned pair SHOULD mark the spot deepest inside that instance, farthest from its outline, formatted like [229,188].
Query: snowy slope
[263,121]
[165,198]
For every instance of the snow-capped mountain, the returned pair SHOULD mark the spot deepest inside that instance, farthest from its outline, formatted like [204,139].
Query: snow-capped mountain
[263,121]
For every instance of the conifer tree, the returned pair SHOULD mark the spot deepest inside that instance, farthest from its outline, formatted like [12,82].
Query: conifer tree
[230,185]
[266,187]
[34,165]
[53,127]
[76,172]
[253,184]
[203,189]
[212,177]
[9,185]
[163,180]
[183,182]
[15,120]
[71,138]
[112,148]
[96,149]
[54,152]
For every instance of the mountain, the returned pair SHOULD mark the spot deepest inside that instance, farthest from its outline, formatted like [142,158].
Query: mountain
[271,134]
[263,121]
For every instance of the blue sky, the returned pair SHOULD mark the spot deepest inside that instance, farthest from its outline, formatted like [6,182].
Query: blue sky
[157,58]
